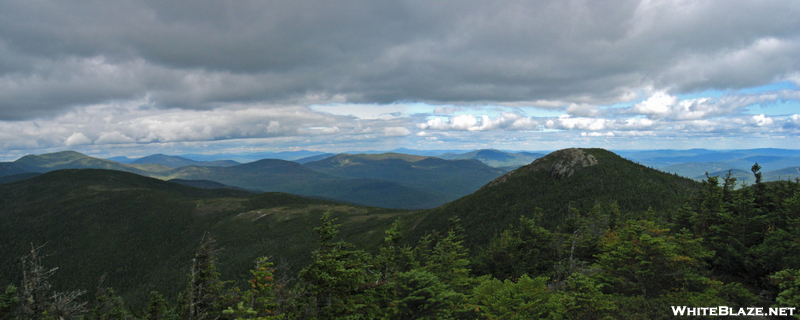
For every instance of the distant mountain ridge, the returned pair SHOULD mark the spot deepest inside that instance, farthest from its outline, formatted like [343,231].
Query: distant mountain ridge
[497,158]
[449,179]
[176,161]
[270,175]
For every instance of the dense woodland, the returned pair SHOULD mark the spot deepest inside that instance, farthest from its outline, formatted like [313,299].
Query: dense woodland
[725,246]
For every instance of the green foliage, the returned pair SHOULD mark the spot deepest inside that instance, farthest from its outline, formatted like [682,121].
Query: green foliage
[109,307]
[526,298]
[446,257]
[642,258]
[338,277]
[158,309]
[524,248]
[581,298]
[203,294]
[258,302]
[141,231]
[420,294]
[788,282]
[8,301]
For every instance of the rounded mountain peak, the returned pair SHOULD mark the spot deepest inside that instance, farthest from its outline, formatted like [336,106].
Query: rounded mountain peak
[560,164]
[563,163]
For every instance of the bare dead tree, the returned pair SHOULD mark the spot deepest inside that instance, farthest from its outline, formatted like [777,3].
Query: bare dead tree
[36,295]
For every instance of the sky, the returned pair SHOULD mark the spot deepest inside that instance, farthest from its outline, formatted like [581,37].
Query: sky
[135,77]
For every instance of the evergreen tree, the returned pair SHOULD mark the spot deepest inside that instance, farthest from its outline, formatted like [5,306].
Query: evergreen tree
[157,308]
[421,295]
[446,257]
[202,297]
[643,258]
[526,298]
[8,302]
[524,248]
[258,302]
[788,282]
[109,306]
[339,283]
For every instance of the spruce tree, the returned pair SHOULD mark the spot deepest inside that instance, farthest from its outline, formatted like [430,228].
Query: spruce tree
[201,299]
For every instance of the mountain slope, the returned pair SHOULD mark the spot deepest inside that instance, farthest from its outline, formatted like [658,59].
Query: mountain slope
[497,158]
[564,179]
[450,179]
[74,160]
[176,162]
[287,176]
[267,175]
[142,232]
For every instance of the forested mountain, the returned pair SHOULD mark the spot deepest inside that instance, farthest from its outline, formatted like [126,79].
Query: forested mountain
[141,232]
[562,181]
[176,162]
[286,176]
[74,160]
[450,179]
[314,158]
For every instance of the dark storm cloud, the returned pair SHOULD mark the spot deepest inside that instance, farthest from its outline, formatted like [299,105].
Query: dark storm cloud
[203,54]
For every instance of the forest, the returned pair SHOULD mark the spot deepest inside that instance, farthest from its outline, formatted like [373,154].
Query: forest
[728,245]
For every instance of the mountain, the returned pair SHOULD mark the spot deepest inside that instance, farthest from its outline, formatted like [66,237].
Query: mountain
[695,169]
[497,158]
[17,177]
[121,159]
[10,168]
[72,160]
[450,179]
[314,158]
[250,157]
[742,176]
[206,184]
[267,175]
[790,173]
[286,176]
[770,159]
[176,162]
[141,233]
[556,183]
[427,153]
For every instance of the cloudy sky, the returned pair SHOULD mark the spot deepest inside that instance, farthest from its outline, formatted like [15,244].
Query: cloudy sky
[136,77]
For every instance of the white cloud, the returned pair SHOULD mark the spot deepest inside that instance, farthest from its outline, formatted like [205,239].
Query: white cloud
[659,104]
[762,121]
[77,138]
[583,110]
[468,122]
[331,130]
[597,134]
[581,123]
[113,138]
[396,132]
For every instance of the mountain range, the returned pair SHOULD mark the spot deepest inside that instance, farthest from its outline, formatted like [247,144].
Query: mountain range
[385,181]
[140,231]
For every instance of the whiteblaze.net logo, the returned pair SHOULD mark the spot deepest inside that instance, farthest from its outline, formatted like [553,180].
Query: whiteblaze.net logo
[728,311]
